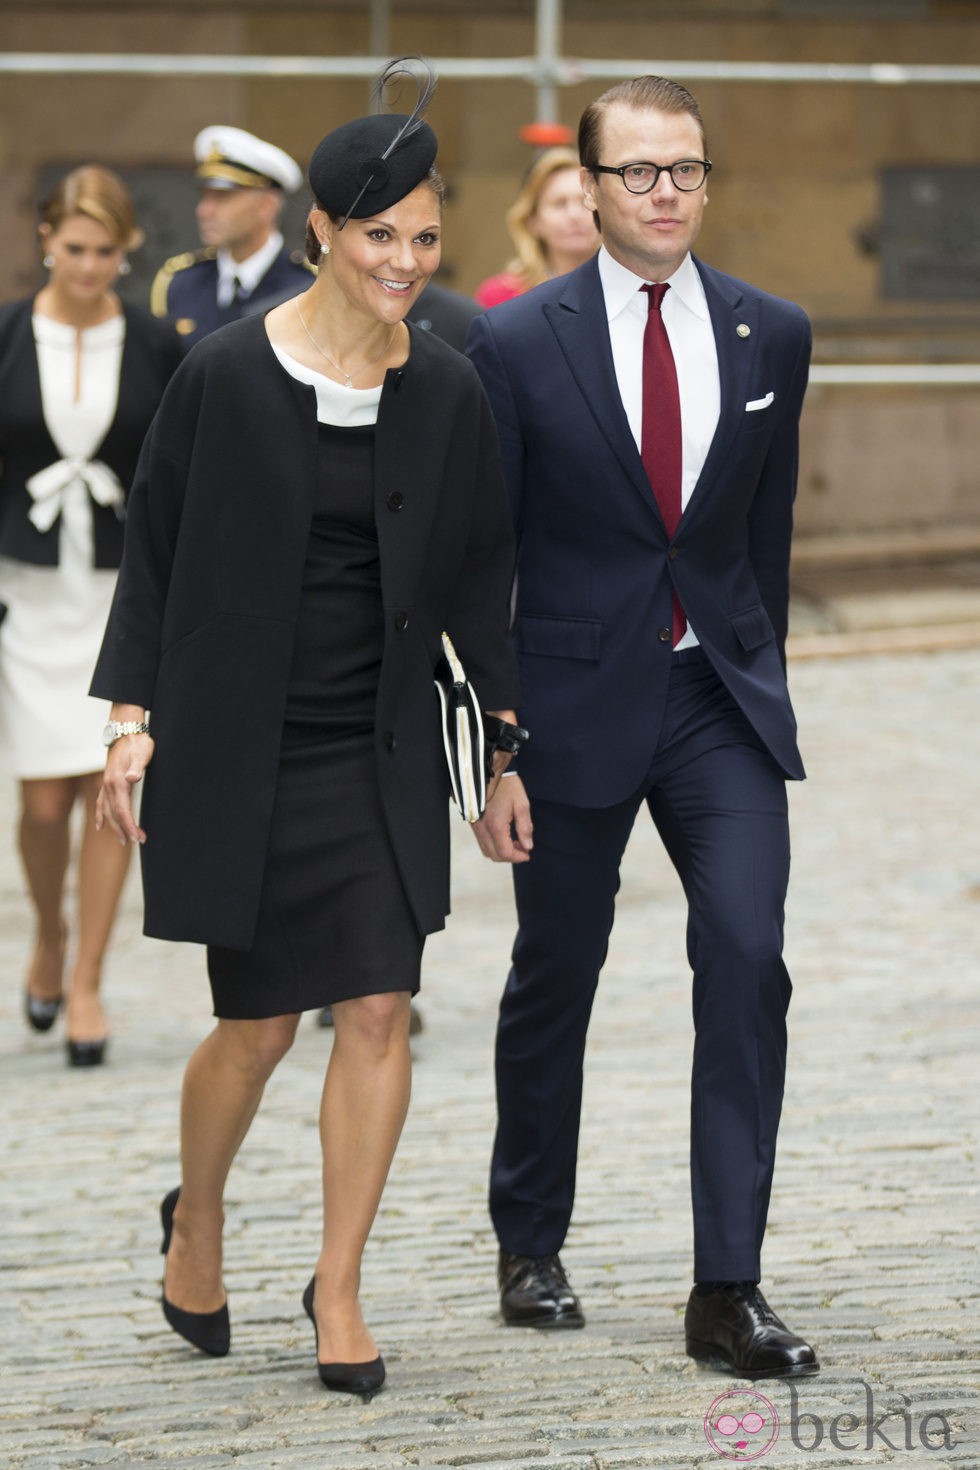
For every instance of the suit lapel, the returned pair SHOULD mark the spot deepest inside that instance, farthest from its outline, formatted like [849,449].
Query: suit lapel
[578,320]
[730,311]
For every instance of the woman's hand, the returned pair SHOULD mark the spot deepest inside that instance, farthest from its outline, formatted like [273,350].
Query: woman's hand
[505,831]
[128,758]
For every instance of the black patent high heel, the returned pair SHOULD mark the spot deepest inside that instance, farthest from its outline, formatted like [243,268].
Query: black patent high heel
[363,1378]
[41,1014]
[208,1331]
[86,1053]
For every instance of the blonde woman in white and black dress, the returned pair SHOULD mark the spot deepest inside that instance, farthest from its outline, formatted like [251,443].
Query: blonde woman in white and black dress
[320,496]
[80,379]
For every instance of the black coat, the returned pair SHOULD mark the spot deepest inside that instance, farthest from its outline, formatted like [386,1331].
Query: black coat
[150,355]
[201,629]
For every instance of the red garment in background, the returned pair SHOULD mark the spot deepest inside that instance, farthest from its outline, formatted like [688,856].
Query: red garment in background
[496,289]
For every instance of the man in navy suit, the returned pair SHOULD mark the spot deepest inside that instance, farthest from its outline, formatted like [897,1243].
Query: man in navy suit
[243,265]
[651,644]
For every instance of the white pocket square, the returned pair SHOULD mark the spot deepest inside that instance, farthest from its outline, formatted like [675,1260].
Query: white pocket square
[756,403]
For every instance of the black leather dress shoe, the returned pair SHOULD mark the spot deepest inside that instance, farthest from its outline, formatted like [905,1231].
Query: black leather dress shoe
[534,1292]
[735,1326]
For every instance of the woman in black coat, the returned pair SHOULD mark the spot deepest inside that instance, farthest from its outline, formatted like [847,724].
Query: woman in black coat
[319,498]
[80,379]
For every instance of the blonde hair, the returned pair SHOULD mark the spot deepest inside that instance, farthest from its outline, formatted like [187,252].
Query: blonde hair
[99,194]
[531,262]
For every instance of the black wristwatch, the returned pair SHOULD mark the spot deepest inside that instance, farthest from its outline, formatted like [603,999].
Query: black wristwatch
[502,735]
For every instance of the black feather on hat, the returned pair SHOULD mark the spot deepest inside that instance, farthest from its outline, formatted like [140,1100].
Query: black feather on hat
[368,164]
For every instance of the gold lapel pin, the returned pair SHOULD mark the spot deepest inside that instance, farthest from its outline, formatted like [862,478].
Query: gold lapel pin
[742,330]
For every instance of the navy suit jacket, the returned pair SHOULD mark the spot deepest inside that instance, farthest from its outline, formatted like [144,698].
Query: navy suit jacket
[188,295]
[596,568]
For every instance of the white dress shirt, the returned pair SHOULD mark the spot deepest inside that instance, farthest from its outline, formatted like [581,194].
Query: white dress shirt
[247,272]
[692,342]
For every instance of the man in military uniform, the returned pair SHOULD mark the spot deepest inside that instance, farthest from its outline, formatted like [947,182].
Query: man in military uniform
[244,264]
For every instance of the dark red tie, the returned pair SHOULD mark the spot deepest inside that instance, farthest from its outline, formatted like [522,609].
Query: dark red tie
[660,437]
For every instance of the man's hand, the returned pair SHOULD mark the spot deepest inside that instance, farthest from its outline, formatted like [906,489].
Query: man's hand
[505,831]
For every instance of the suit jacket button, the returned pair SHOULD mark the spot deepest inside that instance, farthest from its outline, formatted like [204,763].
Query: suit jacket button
[401,622]
[665,635]
[672,553]
[389,741]
[395,500]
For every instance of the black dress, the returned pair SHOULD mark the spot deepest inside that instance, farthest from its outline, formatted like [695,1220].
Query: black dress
[334,921]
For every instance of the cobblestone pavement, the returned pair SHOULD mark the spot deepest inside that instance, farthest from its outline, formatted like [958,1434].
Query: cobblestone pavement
[872,1249]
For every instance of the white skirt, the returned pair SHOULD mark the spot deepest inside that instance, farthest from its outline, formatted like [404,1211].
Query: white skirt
[49,642]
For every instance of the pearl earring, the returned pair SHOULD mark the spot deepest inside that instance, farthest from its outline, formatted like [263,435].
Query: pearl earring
[48,262]
[324,249]
[124,267]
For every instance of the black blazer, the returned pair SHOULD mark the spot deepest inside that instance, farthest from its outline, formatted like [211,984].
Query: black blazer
[201,629]
[596,567]
[151,353]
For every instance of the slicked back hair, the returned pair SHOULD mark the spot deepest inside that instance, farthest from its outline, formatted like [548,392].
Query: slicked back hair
[643,94]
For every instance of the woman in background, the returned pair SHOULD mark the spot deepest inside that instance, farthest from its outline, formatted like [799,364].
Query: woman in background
[551,228]
[80,378]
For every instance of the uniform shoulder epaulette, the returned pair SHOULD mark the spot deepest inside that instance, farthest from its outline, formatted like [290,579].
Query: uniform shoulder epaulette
[170,268]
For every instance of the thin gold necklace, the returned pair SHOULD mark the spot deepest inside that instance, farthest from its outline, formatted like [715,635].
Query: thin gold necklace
[347,377]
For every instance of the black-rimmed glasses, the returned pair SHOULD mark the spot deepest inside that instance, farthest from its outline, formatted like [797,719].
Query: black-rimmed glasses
[687,175]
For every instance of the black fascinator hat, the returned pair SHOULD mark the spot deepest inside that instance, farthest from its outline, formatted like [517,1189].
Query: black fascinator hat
[368,164]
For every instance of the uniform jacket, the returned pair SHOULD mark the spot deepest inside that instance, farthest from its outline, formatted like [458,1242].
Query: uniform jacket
[596,567]
[201,629]
[186,291]
[151,353]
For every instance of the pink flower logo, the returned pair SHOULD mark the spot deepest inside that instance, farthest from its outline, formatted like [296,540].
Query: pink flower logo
[741,1425]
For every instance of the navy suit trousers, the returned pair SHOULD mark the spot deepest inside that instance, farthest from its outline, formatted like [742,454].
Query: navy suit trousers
[719,803]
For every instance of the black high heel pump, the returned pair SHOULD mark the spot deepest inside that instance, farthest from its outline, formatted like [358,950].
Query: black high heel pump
[209,1331]
[362,1378]
[41,1014]
[86,1053]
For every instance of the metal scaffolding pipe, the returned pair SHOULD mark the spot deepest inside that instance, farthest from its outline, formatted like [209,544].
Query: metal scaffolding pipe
[909,375]
[877,73]
[543,70]
[548,33]
[378,37]
[312,67]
